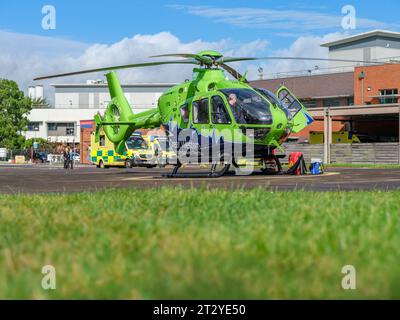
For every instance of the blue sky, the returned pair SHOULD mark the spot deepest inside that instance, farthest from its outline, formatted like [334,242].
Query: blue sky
[109,21]
[99,33]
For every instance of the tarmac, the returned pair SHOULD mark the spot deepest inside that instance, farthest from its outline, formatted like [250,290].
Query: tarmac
[46,178]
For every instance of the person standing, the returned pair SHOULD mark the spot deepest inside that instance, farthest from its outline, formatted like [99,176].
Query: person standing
[71,159]
[65,156]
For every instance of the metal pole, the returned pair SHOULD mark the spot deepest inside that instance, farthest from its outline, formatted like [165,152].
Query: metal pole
[330,128]
[362,91]
[326,135]
[398,151]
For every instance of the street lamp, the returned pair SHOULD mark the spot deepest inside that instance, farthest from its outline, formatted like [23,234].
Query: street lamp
[260,73]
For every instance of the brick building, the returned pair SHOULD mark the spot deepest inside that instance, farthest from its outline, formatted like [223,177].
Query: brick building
[359,85]
[367,85]
[377,84]
[316,91]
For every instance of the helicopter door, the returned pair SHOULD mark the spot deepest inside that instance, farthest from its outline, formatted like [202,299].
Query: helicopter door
[301,118]
[219,112]
[200,114]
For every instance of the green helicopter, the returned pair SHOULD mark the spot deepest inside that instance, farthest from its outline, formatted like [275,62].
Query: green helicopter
[208,113]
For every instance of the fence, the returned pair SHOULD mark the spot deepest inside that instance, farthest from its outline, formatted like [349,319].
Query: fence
[357,153]
[46,156]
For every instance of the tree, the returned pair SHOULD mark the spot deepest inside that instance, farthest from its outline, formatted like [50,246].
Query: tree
[14,108]
[43,143]
[38,103]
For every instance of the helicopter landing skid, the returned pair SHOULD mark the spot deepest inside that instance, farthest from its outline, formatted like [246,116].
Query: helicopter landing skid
[212,174]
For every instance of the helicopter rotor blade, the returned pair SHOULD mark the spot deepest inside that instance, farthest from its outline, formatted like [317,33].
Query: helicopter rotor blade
[202,59]
[137,65]
[222,62]
[234,59]
[182,55]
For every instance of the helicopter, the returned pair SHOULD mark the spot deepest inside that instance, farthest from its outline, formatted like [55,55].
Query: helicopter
[209,119]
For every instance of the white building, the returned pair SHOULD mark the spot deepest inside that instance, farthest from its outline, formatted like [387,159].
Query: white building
[377,45]
[76,102]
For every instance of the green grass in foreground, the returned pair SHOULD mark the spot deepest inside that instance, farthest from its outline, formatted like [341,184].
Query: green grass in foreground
[176,243]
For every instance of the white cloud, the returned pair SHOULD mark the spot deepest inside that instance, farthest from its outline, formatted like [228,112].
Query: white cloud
[308,47]
[286,21]
[24,57]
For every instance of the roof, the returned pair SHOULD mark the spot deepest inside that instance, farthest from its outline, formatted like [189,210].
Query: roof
[361,36]
[314,86]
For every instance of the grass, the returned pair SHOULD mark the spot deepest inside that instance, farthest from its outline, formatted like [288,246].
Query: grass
[176,243]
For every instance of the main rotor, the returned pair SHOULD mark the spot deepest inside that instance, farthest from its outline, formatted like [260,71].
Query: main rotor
[206,59]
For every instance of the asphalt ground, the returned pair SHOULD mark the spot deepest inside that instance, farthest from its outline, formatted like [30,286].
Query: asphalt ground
[44,179]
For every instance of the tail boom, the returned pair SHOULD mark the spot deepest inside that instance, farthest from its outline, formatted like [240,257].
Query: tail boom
[118,121]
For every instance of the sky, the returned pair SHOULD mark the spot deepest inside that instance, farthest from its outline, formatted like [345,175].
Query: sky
[104,33]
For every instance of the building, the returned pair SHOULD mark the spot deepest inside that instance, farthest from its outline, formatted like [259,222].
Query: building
[321,90]
[377,45]
[76,102]
[377,84]
[316,91]
[360,85]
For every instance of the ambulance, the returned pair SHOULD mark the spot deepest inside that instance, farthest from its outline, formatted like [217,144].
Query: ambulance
[137,153]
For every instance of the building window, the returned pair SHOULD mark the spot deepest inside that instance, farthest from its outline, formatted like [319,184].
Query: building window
[33,126]
[388,96]
[309,103]
[61,128]
[350,101]
[70,129]
[52,126]
[334,102]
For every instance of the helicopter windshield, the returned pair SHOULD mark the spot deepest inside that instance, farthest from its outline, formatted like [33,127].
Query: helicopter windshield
[271,97]
[136,143]
[248,107]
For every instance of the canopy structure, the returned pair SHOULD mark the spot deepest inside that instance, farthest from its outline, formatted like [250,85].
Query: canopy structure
[331,113]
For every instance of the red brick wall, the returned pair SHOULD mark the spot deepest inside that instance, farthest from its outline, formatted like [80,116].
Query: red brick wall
[376,78]
[85,144]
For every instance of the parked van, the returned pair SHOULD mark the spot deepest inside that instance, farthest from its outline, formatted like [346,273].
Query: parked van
[137,152]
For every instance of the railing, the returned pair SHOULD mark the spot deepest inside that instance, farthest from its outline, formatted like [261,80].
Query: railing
[43,156]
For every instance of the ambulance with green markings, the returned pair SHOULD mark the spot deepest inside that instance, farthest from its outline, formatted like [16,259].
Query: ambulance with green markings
[137,153]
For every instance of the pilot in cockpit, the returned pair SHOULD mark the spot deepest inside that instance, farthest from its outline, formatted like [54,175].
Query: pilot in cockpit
[236,108]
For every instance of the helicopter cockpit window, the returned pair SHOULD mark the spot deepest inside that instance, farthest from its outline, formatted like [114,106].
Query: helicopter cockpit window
[293,105]
[200,111]
[219,114]
[185,113]
[271,97]
[248,107]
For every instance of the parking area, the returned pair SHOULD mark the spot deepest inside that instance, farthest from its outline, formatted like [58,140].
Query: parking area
[44,179]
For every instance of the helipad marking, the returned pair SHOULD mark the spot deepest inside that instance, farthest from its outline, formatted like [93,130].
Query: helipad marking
[250,177]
